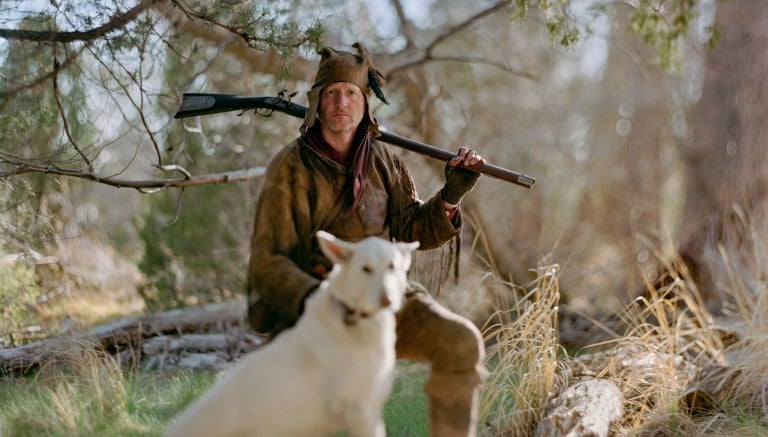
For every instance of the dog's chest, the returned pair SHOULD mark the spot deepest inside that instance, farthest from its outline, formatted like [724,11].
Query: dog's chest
[367,347]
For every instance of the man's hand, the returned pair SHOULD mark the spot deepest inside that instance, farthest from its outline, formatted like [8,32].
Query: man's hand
[459,180]
[468,156]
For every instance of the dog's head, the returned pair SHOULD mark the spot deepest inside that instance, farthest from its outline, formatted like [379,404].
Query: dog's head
[368,275]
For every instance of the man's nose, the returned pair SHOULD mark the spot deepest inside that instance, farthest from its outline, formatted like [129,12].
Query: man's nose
[342,100]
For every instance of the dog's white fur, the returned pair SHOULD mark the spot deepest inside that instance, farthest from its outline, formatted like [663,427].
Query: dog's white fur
[333,370]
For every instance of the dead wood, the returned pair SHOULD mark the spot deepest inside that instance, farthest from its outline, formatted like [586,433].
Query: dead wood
[216,327]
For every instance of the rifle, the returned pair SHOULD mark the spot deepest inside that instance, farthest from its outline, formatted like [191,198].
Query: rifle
[193,104]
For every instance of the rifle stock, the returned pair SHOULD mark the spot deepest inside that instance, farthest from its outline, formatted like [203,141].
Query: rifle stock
[193,104]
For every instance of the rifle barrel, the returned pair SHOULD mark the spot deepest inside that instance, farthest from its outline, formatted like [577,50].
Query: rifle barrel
[193,104]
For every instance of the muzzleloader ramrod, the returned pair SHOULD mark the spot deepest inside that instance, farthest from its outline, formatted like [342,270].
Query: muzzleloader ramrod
[193,104]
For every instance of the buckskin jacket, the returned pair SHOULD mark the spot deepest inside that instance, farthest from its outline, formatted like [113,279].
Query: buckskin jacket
[298,197]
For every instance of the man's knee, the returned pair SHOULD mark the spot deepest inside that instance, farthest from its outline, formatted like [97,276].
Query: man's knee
[463,349]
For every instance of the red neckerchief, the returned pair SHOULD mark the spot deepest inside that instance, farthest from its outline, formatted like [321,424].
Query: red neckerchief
[357,159]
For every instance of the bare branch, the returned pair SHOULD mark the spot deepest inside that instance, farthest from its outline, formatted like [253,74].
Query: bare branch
[137,105]
[117,21]
[7,94]
[249,38]
[462,59]
[427,53]
[63,115]
[460,27]
[406,26]
[267,62]
[141,185]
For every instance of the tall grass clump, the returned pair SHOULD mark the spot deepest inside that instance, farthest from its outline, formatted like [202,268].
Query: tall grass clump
[77,394]
[677,364]
[742,381]
[522,358]
[85,393]
[654,362]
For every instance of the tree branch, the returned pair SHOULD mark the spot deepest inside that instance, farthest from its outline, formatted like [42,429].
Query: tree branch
[406,26]
[462,59]
[249,38]
[427,52]
[141,185]
[117,21]
[458,28]
[62,65]
[267,62]
[63,115]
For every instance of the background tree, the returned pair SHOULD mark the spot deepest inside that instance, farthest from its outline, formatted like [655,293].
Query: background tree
[505,76]
[725,193]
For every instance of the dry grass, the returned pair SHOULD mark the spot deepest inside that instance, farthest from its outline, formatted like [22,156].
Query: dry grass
[523,358]
[666,345]
[74,394]
[86,393]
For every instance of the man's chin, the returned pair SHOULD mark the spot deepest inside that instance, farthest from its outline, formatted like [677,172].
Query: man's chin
[340,125]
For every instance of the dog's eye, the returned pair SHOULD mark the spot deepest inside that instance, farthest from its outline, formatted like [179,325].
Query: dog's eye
[391,266]
[367,269]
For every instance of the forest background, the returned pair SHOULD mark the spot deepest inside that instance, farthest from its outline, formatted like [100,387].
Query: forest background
[642,122]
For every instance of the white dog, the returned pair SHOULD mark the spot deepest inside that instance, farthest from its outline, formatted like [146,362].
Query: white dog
[333,370]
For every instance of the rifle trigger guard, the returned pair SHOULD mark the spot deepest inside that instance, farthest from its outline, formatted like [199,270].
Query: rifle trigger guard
[265,112]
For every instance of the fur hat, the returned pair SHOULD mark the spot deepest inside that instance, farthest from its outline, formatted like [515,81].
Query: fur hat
[341,66]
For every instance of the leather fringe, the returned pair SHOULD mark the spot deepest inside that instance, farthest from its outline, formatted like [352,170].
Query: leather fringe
[432,268]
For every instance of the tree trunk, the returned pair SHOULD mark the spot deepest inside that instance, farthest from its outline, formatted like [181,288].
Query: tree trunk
[621,205]
[726,155]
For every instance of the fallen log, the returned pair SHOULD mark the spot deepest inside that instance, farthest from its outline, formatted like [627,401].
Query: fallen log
[130,334]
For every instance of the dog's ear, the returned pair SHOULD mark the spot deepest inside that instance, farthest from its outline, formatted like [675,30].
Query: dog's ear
[407,248]
[336,250]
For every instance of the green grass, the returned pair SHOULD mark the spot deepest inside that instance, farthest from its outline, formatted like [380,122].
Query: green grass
[405,414]
[97,403]
[93,398]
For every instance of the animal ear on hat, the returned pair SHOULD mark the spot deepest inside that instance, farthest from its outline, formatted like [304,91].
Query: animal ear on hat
[325,52]
[375,78]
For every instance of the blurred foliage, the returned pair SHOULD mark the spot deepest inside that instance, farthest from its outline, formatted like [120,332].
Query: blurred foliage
[184,259]
[561,25]
[18,295]
[118,90]
[195,240]
[31,130]
[664,27]
[193,252]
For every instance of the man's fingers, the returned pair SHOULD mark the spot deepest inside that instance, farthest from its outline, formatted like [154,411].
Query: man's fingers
[455,161]
[467,156]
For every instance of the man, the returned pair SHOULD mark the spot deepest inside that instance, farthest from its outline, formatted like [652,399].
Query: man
[334,177]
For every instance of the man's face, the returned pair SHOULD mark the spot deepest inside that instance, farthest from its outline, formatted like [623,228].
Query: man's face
[342,107]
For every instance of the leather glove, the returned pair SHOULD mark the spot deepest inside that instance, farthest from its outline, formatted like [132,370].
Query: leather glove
[458,182]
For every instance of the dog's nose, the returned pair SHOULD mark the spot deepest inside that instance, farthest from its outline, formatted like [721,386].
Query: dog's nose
[385,302]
